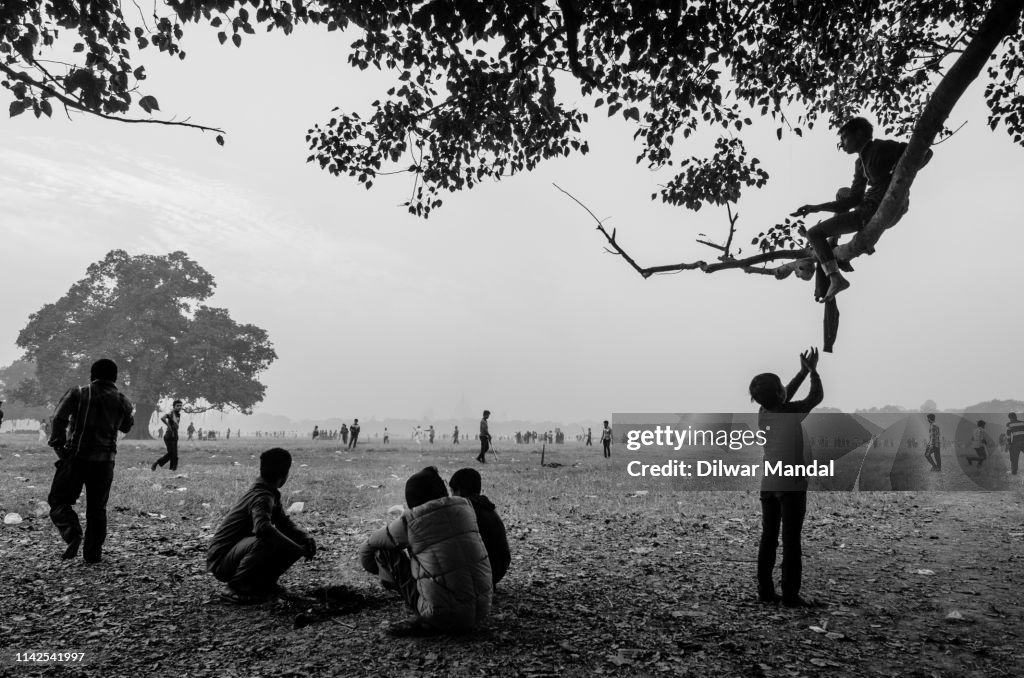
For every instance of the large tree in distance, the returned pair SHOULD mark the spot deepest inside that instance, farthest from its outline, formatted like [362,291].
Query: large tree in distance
[146,313]
[487,89]
[16,399]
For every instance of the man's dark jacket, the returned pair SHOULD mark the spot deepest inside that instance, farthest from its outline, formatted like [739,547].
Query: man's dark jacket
[96,413]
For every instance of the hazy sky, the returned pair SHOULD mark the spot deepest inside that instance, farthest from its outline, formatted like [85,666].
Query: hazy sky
[505,298]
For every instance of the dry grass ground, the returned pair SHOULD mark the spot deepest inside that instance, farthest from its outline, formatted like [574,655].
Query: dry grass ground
[610,575]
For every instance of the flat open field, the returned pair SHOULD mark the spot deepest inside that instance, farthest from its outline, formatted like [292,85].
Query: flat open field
[610,575]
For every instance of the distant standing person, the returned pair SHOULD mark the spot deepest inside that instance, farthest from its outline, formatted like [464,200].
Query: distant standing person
[353,434]
[933,448]
[606,440]
[173,421]
[1015,441]
[430,434]
[95,412]
[485,438]
[455,436]
[316,432]
[978,442]
[344,434]
[590,437]
[386,438]
[784,499]
[191,430]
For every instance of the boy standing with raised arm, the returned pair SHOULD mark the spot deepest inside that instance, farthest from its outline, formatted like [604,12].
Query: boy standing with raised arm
[784,500]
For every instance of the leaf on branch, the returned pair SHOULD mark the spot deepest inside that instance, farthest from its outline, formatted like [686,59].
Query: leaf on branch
[18,107]
[149,104]
[220,139]
[237,39]
[223,37]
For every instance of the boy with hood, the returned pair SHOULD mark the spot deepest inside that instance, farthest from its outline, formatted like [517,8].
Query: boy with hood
[466,483]
[433,555]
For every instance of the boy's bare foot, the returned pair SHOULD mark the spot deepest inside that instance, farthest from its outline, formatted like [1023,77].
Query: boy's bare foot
[838,284]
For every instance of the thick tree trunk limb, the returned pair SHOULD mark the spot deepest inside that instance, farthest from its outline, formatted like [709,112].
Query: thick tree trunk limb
[143,414]
[1000,21]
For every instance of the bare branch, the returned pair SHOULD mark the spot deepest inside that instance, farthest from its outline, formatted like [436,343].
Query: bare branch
[720,248]
[749,264]
[950,134]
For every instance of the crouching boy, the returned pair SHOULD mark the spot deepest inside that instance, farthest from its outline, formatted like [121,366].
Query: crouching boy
[466,483]
[257,542]
[433,555]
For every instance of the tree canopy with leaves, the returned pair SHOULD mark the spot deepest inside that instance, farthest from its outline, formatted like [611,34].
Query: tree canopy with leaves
[146,313]
[11,377]
[484,90]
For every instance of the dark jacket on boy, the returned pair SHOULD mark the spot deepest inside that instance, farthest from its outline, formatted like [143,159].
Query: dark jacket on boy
[492,531]
[256,543]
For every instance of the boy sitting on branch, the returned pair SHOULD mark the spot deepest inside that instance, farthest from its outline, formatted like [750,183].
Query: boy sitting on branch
[872,174]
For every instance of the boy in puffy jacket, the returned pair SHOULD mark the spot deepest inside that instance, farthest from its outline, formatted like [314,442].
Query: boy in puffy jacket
[434,556]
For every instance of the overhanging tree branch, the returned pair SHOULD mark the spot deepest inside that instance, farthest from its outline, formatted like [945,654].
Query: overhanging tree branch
[747,264]
[70,102]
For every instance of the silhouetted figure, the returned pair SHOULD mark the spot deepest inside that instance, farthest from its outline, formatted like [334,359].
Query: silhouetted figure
[606,440]
[86,450]
[191,430]
[783,500]
[434,557]
[1014,441]
[173,421]
[353,434]
[316,432]
[933,448]
[344,434]
[485,438]
[455,436]
[466,483]
[872,174]
[257,542]
[980,444]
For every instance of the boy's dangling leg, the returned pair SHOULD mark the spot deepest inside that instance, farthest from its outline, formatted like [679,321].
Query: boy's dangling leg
[837,282]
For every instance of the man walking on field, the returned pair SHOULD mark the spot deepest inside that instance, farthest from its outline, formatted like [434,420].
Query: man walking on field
[173,421]
[485,438]
[85,427]
[933,448]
